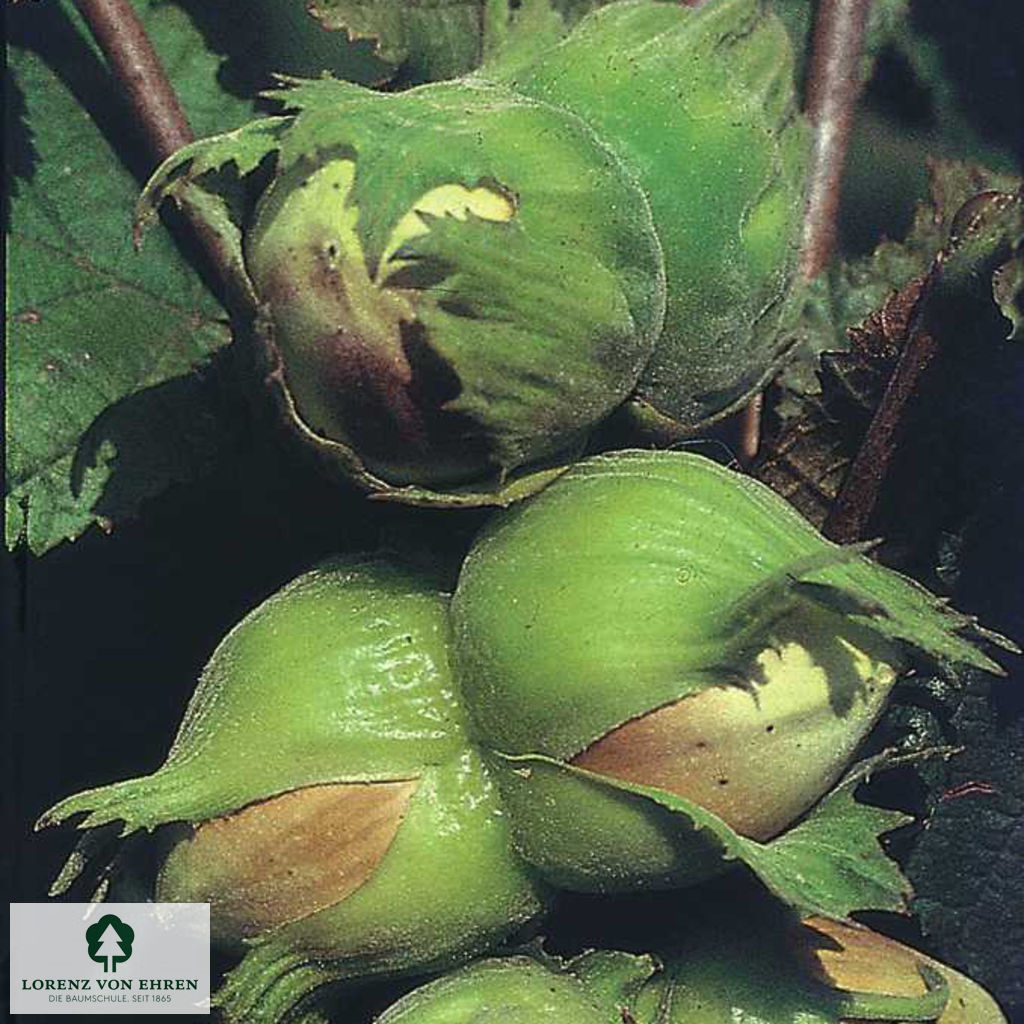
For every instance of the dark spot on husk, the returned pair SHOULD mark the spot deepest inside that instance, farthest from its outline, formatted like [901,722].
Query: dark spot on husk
[391,404]
[458,307]
[420,275]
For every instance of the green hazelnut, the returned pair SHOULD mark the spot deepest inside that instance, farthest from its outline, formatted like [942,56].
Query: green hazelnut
[321,774]
[700,104]
[455,288]
[760,963]
[591,989]
[655,620]
[741,962]
[515,990]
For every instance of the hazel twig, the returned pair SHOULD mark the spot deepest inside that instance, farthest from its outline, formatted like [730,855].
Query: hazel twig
[158,114]
[131,57]
[833,86]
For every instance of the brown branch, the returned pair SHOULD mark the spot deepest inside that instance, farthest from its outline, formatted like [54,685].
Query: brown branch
[850,515]
[147,89]
[935,308]
[833,86]
[159,117]
[832,90]
[750,429]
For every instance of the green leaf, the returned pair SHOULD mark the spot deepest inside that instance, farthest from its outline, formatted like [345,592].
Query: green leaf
[512,294]
[180,178]
[105,407]
[195,70]
[283,37]
[434,39]
[830,863]
[515,32]
[429,40]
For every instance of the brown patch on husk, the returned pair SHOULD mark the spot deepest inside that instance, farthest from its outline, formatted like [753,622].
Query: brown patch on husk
[759,753]
[286,857]
[853,958]
[856,959]
[674,748]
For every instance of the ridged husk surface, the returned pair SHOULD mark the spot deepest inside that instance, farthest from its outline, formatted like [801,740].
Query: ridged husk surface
[459,284]
[647,596]
[699,104]
[321,776]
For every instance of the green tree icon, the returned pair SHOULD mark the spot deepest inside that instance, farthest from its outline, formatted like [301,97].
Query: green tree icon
[110,941]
